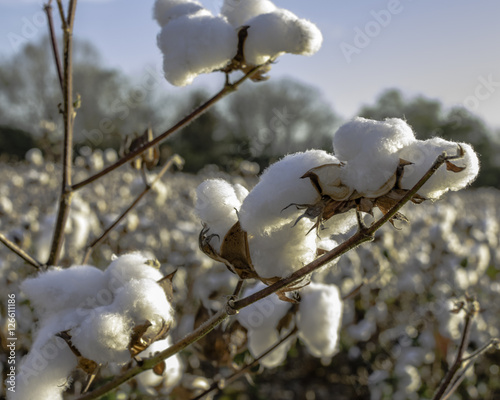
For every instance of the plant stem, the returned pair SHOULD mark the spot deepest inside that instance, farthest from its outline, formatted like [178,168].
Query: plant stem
[175,159]
[20,252]
[228,88]
[219,385]
[68,116]
[464,342]
[53,41]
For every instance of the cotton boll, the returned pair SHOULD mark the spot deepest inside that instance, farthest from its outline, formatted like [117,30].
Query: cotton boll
[127,267]
[263,314]
[58,289]
[195,44]
[238,12]
[43,374]
[278,32]
[143,300]
[217,202]
[283,250]
[319,318]
[166,10]
[259,341]
[279,186]
[424,153]
[171,375]
[371,150]
[104,337]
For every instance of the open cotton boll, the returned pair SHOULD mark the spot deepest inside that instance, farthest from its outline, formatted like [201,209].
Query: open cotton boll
[259,341]
[166,10]
[261,319]
[370,149]
[278,32]
[127,267]
[171,375]
[143,300]
[195,44]
[282,251]
[423,154]
[104,337]
[58,289]
[279,186]
[238,12]
[319,318]
[263,314]
[43,374]
[217,202]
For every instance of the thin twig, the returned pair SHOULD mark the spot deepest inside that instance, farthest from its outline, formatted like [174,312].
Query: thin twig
[68,116]
[228,88]
[447,381]
[232,307]
[20,252]
[53,41]
[219,385]
[175,159]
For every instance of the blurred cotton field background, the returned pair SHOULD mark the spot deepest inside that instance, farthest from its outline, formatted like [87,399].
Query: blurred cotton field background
[397,332]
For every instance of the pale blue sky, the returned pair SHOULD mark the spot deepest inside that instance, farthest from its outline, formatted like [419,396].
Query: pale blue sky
[446,49]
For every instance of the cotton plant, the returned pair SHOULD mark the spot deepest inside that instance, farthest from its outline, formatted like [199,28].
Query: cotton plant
[316,321]
[269,234]
[245,34]
[89,317]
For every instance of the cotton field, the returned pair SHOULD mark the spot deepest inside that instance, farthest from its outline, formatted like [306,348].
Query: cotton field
[401,321]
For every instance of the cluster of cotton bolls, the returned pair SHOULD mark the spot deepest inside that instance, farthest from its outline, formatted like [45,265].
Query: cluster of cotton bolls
[88,314]
[194,41]
[365,166]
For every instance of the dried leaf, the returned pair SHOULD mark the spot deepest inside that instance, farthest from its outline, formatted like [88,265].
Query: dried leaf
[327,181]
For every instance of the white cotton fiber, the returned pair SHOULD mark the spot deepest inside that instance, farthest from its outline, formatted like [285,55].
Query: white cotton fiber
[217,203]
[171,375]
[371,150]
[261,319]
[282,251]
[195,44]
[319,318]
[58,289]
[143,300]
[278,32]
[279,186]
[238,12]
[424,153]
[127,267]
[43,374]
[259,341]
[263,314]
[166,10]
[104,337]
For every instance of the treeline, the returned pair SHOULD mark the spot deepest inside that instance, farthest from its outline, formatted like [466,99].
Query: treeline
[260,122]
